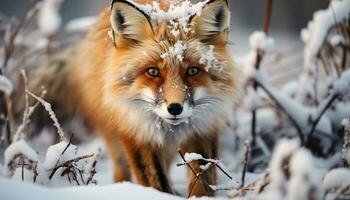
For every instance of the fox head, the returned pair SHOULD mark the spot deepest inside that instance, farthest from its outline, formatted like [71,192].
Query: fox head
[170,73]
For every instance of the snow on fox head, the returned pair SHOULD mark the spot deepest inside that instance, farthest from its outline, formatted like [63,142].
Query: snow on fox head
[170,74]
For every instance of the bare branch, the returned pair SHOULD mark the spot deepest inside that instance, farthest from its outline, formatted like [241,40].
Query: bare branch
[245,163]
[280,105]
[323,109]
[68,163]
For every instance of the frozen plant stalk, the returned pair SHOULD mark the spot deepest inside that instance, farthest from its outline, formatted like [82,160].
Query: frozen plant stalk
[346,146]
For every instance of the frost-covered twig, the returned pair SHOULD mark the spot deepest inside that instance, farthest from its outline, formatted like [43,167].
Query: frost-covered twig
[48,108]
[346,145]
[35,172]
[92,172]
[265,181]
[241,191]
[28,111]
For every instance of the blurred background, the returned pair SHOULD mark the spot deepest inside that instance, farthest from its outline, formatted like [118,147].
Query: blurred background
[289,16]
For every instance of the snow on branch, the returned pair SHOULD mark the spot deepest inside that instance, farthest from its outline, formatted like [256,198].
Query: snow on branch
[49,19]
[191,157]
[62,163]
[18,149]
[292,173]
[316,32]
[258,40]
[28,111]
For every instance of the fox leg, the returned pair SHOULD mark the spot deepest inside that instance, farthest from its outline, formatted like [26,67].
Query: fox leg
[207,147]
[120,163]
[148,165]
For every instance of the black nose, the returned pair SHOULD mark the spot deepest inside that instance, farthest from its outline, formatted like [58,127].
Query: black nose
[175,108]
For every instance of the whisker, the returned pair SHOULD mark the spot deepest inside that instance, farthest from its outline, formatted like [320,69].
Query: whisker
[207,100]
[145,101]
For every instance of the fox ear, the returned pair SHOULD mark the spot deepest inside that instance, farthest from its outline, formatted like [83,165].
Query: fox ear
[213,22]
[129,22]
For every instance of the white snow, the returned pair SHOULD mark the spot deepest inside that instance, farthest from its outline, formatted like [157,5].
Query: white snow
[189,157]
[55,156]
[336,40]
[207,56]
[346,123]
[254,100]
[258,40]
[293,173]
[182,11]
[178,13]
[49,19]
[249,62]
[336,178]
[27,175]
[80,24]
[283,151]
[304,177]
[108,192]
[342,85]
[5,85]
[176,51]
[231,185]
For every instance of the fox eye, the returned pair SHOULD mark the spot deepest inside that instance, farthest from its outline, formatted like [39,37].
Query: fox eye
[153,72]
[193,71]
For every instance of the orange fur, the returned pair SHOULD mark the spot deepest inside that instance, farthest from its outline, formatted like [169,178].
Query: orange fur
[109,77]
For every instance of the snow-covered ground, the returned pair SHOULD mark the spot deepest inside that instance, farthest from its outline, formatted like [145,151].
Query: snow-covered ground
[14,190]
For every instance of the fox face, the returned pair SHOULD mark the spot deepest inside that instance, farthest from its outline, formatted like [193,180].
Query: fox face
[169,77]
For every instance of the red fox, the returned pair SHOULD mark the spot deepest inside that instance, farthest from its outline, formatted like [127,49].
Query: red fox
[150,80]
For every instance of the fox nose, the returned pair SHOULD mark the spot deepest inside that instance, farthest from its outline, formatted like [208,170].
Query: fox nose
[175,108]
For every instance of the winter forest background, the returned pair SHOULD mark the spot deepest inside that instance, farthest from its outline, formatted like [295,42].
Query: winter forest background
[289,137]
